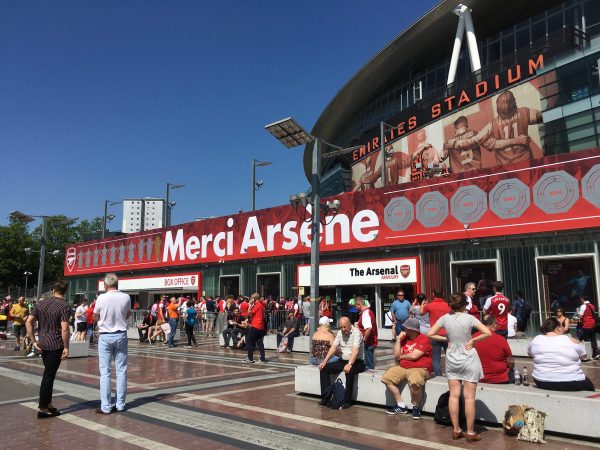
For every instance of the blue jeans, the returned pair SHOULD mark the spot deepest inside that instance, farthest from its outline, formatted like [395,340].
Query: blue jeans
[399,327]
[112,345]
[317,361]
[369,355]
[436,354]
[173,324]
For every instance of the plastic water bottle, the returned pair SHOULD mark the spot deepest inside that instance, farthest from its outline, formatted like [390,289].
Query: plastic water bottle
[517,376]
[525,377]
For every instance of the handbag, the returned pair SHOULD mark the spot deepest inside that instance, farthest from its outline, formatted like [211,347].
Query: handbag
[283,345]
[533,428]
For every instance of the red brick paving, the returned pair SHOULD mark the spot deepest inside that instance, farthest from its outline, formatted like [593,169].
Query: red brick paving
[22,430]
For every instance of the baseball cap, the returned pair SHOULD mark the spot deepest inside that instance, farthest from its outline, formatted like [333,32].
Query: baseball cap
[324,320]
[411,324]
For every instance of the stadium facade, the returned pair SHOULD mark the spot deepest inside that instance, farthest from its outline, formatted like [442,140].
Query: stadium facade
[494,176]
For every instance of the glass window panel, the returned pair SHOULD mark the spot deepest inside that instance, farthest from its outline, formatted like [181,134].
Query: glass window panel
[522,36]
[583,144]
[576,120]
[508,44]
[581,132]
[493,51]
[555,22]
[592,12]
[538,30]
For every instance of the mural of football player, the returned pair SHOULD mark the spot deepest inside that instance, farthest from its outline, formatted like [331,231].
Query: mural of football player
[428,153]
[507,135]
[461,160]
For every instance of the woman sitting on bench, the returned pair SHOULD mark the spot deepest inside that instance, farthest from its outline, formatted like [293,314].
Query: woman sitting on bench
[554,349]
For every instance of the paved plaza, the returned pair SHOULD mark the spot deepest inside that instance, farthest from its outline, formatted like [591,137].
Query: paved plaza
[205,397]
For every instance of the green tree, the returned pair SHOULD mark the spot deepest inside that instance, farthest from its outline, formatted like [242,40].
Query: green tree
[61,231]
[14,261]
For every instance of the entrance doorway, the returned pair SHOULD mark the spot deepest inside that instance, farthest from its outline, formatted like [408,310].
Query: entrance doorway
[229,285]
[480,272]
[564,279]
[388,294]
[268,284]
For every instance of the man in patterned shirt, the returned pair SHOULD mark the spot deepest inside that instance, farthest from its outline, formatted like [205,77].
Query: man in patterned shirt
[52,315]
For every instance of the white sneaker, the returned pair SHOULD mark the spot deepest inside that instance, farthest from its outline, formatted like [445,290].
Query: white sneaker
[31,355]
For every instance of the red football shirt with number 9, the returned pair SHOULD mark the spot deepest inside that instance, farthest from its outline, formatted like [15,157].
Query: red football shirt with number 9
[499,309]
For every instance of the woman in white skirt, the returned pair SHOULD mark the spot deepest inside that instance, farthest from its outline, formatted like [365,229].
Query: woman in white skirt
[462,361]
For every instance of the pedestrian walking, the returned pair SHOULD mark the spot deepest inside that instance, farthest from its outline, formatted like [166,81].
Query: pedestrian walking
[52,316]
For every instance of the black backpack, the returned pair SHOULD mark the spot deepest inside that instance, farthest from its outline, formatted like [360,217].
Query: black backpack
[525,311]
[335,394]
[442,413]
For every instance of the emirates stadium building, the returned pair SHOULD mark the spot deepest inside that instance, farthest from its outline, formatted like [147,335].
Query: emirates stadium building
[486,113]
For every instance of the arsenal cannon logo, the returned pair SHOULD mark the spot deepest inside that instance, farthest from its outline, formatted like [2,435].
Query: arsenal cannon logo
[405,270]
[71,256]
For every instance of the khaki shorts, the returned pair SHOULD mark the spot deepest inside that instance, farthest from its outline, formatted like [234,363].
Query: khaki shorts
[397,374]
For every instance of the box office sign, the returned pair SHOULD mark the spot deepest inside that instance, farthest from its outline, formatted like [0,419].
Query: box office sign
[183,282]
[383,271]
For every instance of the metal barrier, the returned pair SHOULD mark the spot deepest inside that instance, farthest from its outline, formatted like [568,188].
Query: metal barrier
[136,316]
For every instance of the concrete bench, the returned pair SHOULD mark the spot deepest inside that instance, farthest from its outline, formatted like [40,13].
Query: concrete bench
[79,349]
[491,403]
[518,347]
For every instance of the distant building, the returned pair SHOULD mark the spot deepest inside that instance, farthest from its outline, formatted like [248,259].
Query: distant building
[140,214]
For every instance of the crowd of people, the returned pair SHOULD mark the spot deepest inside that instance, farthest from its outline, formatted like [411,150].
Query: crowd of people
[475,342]
[475,345]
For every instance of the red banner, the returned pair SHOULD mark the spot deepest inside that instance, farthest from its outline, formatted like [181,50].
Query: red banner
[547,194]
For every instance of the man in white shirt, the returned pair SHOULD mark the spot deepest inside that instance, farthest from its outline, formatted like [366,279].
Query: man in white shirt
[111,312]
[512,326]
[349,341]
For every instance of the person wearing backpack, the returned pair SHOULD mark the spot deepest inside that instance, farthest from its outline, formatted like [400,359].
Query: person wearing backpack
[349,340]
[521,310]
[587,316]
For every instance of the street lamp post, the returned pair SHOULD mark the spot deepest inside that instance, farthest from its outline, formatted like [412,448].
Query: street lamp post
[290,134]
[107,217]
[382,128]
[26,273]
[26,218]
[167,208]
[256,185]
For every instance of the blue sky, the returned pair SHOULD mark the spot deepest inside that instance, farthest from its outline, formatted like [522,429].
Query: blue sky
[112,99]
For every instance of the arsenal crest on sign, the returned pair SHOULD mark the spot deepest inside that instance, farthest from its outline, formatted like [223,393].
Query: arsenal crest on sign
[71,254]
[192,280]
[405,270]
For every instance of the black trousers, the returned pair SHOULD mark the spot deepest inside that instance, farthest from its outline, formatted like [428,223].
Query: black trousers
[189,331]
[336,368]
[255,336]
[583,385]
[589,334]
[51,360]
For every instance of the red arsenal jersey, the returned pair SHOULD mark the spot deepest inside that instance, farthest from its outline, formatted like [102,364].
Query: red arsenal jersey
[510,128]
[498,307]
[468,159]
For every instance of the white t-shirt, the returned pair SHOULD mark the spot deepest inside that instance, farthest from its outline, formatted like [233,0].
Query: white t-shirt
[512,325]
[80,314]
[556,358]
[113,307]
[366,319]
